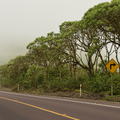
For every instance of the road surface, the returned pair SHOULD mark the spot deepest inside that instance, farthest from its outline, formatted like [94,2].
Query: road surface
[14,106]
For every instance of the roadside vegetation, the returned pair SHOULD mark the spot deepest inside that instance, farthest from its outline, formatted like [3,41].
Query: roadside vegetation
[60,62]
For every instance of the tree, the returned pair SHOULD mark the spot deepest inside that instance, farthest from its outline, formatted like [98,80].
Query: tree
[103,19]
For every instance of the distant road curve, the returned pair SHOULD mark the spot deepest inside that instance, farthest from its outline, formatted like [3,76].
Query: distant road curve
[15,106]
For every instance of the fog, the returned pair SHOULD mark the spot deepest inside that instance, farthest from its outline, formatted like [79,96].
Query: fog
[21,21]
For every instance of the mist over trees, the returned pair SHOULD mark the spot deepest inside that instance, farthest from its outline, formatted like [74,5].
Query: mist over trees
[76,55]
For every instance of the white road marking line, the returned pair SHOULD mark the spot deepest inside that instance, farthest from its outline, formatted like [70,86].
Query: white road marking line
[62,99]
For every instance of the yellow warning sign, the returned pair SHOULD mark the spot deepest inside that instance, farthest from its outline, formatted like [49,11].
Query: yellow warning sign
[112,66]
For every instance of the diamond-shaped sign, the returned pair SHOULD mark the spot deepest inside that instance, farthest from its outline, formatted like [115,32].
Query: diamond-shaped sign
[112,66]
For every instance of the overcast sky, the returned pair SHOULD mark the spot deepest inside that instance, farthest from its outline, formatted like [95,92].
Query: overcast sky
[21,21]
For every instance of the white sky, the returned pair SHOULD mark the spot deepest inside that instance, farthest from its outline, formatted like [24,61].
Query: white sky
[21,21]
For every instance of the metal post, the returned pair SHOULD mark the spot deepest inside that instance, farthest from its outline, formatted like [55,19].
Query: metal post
[111,86]
[18,87]
[0,84]
[80,90]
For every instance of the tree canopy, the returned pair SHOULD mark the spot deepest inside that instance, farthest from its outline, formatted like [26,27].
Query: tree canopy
[76,55]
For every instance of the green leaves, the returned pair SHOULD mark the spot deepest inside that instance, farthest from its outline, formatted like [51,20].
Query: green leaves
[56,61]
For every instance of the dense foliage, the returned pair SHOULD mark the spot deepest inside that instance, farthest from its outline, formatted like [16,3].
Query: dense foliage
[76,55]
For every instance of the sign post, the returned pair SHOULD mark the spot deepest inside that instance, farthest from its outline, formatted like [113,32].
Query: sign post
[112,66]
[111,86]
[80,90]
[18,87]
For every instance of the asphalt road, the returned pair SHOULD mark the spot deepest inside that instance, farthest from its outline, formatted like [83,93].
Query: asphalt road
[14,106]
